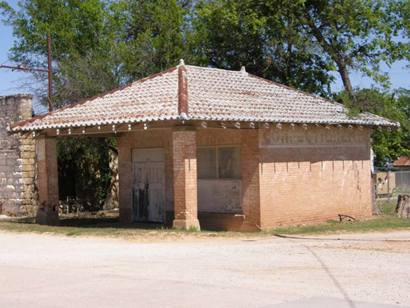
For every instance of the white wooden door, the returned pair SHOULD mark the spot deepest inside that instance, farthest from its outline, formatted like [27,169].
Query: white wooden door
[149,185]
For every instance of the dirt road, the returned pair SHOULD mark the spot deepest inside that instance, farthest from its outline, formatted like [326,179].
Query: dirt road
[56,271]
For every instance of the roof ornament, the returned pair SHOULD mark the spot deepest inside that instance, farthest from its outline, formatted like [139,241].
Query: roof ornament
[181,62]
[183,116]
[243,70]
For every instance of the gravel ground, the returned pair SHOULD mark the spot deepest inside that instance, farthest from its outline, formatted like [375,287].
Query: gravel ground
[355,270]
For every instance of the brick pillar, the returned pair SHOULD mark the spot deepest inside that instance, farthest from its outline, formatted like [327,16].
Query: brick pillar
[250,171]
[125,173]
[185,178]
[47,181]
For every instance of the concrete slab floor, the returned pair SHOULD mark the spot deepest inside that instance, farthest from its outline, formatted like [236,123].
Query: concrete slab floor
[344,271]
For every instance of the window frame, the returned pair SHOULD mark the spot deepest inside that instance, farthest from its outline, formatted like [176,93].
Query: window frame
[216,148]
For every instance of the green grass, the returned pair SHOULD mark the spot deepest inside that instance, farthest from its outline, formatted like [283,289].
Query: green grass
[387,221]
[382,223]
[110,227]
[103,227]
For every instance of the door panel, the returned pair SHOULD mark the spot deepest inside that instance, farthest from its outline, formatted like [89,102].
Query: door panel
[149,185]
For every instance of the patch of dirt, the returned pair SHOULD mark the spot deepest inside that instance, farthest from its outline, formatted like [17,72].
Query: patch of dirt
[382,246]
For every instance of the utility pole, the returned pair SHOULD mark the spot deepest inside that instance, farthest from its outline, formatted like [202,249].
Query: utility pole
[48,70]
[50,73]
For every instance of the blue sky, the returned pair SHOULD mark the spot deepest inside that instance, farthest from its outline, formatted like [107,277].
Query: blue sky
[14,82]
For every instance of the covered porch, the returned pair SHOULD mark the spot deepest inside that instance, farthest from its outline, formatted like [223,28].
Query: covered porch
[184,176]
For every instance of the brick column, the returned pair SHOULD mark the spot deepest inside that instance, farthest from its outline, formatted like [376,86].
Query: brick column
[47,181]
[250,171]
[125,173]
[185,178]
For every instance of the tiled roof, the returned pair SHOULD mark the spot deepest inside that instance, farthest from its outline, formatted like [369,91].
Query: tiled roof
[402,161]
[212,94]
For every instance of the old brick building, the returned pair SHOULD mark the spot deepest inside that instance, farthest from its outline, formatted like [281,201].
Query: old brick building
[220,149]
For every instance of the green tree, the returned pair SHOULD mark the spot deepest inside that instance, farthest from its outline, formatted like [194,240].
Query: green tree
[83,170]
[266,37]
[300,43]
[150,37]
[358,35]
[75,27]
[388,144]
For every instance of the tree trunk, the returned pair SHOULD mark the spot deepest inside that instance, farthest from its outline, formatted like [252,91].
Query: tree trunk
[344,74]
[112,199]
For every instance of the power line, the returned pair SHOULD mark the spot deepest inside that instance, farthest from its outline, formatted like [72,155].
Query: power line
[24,68]
[47,70]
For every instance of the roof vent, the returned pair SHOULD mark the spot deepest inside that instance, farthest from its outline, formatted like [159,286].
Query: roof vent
[243,70]
[181,62]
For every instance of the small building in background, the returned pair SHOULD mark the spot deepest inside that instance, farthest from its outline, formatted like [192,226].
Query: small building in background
[396,180]
[402,163]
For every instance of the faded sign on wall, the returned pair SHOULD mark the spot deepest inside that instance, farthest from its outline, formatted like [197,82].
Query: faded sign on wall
[313,137]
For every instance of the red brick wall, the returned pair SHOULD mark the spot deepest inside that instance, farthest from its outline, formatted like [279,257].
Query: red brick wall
[316,182]
[302,183]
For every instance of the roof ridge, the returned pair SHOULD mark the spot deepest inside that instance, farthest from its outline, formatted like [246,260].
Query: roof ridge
[213,68]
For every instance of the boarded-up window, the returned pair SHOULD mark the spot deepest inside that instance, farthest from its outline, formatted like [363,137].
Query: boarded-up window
[207,163]
[219,162]
[228,163]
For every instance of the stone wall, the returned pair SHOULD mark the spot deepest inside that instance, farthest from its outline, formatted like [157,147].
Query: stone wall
[17,158]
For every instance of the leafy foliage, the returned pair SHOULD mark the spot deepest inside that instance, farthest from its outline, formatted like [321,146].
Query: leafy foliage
[357,34]
[84,170]
[266,37]
[101,44]
[387,145]
[150,38]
